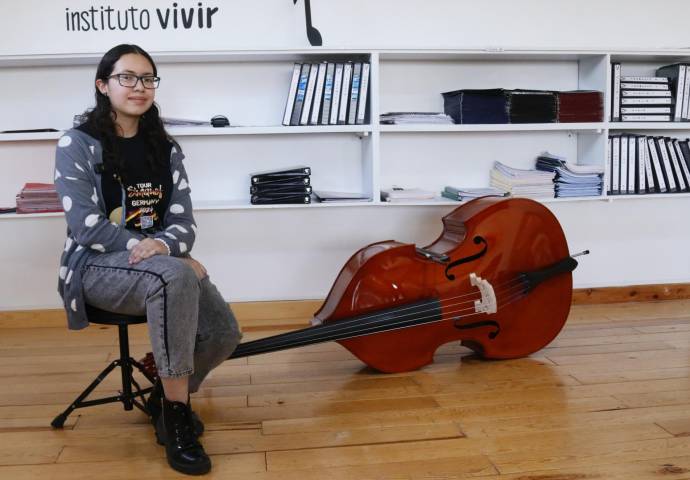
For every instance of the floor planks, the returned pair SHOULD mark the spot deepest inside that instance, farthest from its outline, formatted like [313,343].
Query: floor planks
[608,399]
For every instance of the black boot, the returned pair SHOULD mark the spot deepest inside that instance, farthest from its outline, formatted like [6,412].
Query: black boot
[154,405]
[185,453]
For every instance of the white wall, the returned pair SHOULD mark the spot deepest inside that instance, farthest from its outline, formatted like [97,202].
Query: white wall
[290,253]
[38,27]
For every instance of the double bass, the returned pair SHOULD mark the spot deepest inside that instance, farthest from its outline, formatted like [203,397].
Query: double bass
[498,279]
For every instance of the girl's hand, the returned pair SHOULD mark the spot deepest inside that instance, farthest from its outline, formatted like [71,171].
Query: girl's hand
[148,247]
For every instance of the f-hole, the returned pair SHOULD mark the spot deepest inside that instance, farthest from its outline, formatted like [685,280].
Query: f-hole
[478,240]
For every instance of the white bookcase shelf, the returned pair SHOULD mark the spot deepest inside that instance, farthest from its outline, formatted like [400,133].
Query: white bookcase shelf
[250,88]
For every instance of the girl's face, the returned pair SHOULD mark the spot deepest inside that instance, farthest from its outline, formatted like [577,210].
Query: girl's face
[129,101]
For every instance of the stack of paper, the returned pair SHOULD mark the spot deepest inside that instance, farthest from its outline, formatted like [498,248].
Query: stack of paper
[328,196]
[400,194]
[461,194]
[572,180]
[522,183]
[38,198]
[402,118]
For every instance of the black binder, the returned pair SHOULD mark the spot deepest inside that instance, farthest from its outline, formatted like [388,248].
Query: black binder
[295,180]
[262,200]
[297,173]
[299,189]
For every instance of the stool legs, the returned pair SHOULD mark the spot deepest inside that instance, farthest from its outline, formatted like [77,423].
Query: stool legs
[127,396]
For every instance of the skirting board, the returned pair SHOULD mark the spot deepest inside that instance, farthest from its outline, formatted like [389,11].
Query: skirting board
[292,314]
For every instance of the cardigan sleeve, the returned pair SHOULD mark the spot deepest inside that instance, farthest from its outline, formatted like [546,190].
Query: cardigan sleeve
[75,183]
[179,228]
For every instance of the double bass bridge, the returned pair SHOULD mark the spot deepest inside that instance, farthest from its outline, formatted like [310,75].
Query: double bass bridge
[487,304]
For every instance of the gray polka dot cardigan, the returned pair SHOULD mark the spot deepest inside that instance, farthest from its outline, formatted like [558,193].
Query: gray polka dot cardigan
[90,232]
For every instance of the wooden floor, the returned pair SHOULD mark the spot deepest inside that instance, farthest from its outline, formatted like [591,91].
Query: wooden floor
[608,399]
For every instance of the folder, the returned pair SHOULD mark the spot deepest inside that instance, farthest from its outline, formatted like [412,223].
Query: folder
[354,93]
[318,94]
[682,161]
[676,73]
[292,93]
[615,164]
[671,184]
[616,92]
[301,93]
[632,164]
[677,171]
[309,96]
[337,87]
[624,165]
[345,93]
[363,91]
[327,94]
[297,199]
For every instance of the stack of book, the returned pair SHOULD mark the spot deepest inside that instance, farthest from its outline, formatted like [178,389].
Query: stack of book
[532,106]
[572,180]
[38,198]
[400,194]
[580,106]
[462,194]
[403,118]
[289,185]
[647,98]
[522,183]
[640,164]
[523,106]
[477,106]
[328,93]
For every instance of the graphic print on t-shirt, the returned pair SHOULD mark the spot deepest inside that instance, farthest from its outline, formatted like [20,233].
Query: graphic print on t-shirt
[141,201]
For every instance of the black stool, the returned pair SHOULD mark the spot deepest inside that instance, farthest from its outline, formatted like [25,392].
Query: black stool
[125,362]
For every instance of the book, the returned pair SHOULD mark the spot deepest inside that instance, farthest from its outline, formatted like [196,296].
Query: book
[292,93]
[657,171]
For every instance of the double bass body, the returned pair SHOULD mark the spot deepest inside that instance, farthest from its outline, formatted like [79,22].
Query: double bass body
[498,240]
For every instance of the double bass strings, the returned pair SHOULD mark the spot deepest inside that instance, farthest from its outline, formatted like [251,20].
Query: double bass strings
[363,325]
[368,324]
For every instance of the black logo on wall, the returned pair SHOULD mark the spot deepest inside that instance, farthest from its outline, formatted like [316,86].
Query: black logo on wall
[133,18]
[312,33]
[175,17]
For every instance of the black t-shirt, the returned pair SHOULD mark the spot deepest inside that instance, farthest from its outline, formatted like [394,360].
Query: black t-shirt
[146,191]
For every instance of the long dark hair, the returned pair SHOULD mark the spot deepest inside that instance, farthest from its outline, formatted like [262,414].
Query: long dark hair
[101,118]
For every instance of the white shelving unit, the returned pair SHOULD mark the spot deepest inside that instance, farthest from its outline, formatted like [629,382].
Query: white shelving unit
[250,88]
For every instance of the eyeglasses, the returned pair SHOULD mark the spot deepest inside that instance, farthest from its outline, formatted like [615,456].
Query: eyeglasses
[130,81]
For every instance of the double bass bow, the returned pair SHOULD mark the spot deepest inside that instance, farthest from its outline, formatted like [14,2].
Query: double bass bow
[498,279]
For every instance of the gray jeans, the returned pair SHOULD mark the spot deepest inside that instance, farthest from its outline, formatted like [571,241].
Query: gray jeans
[191,328]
